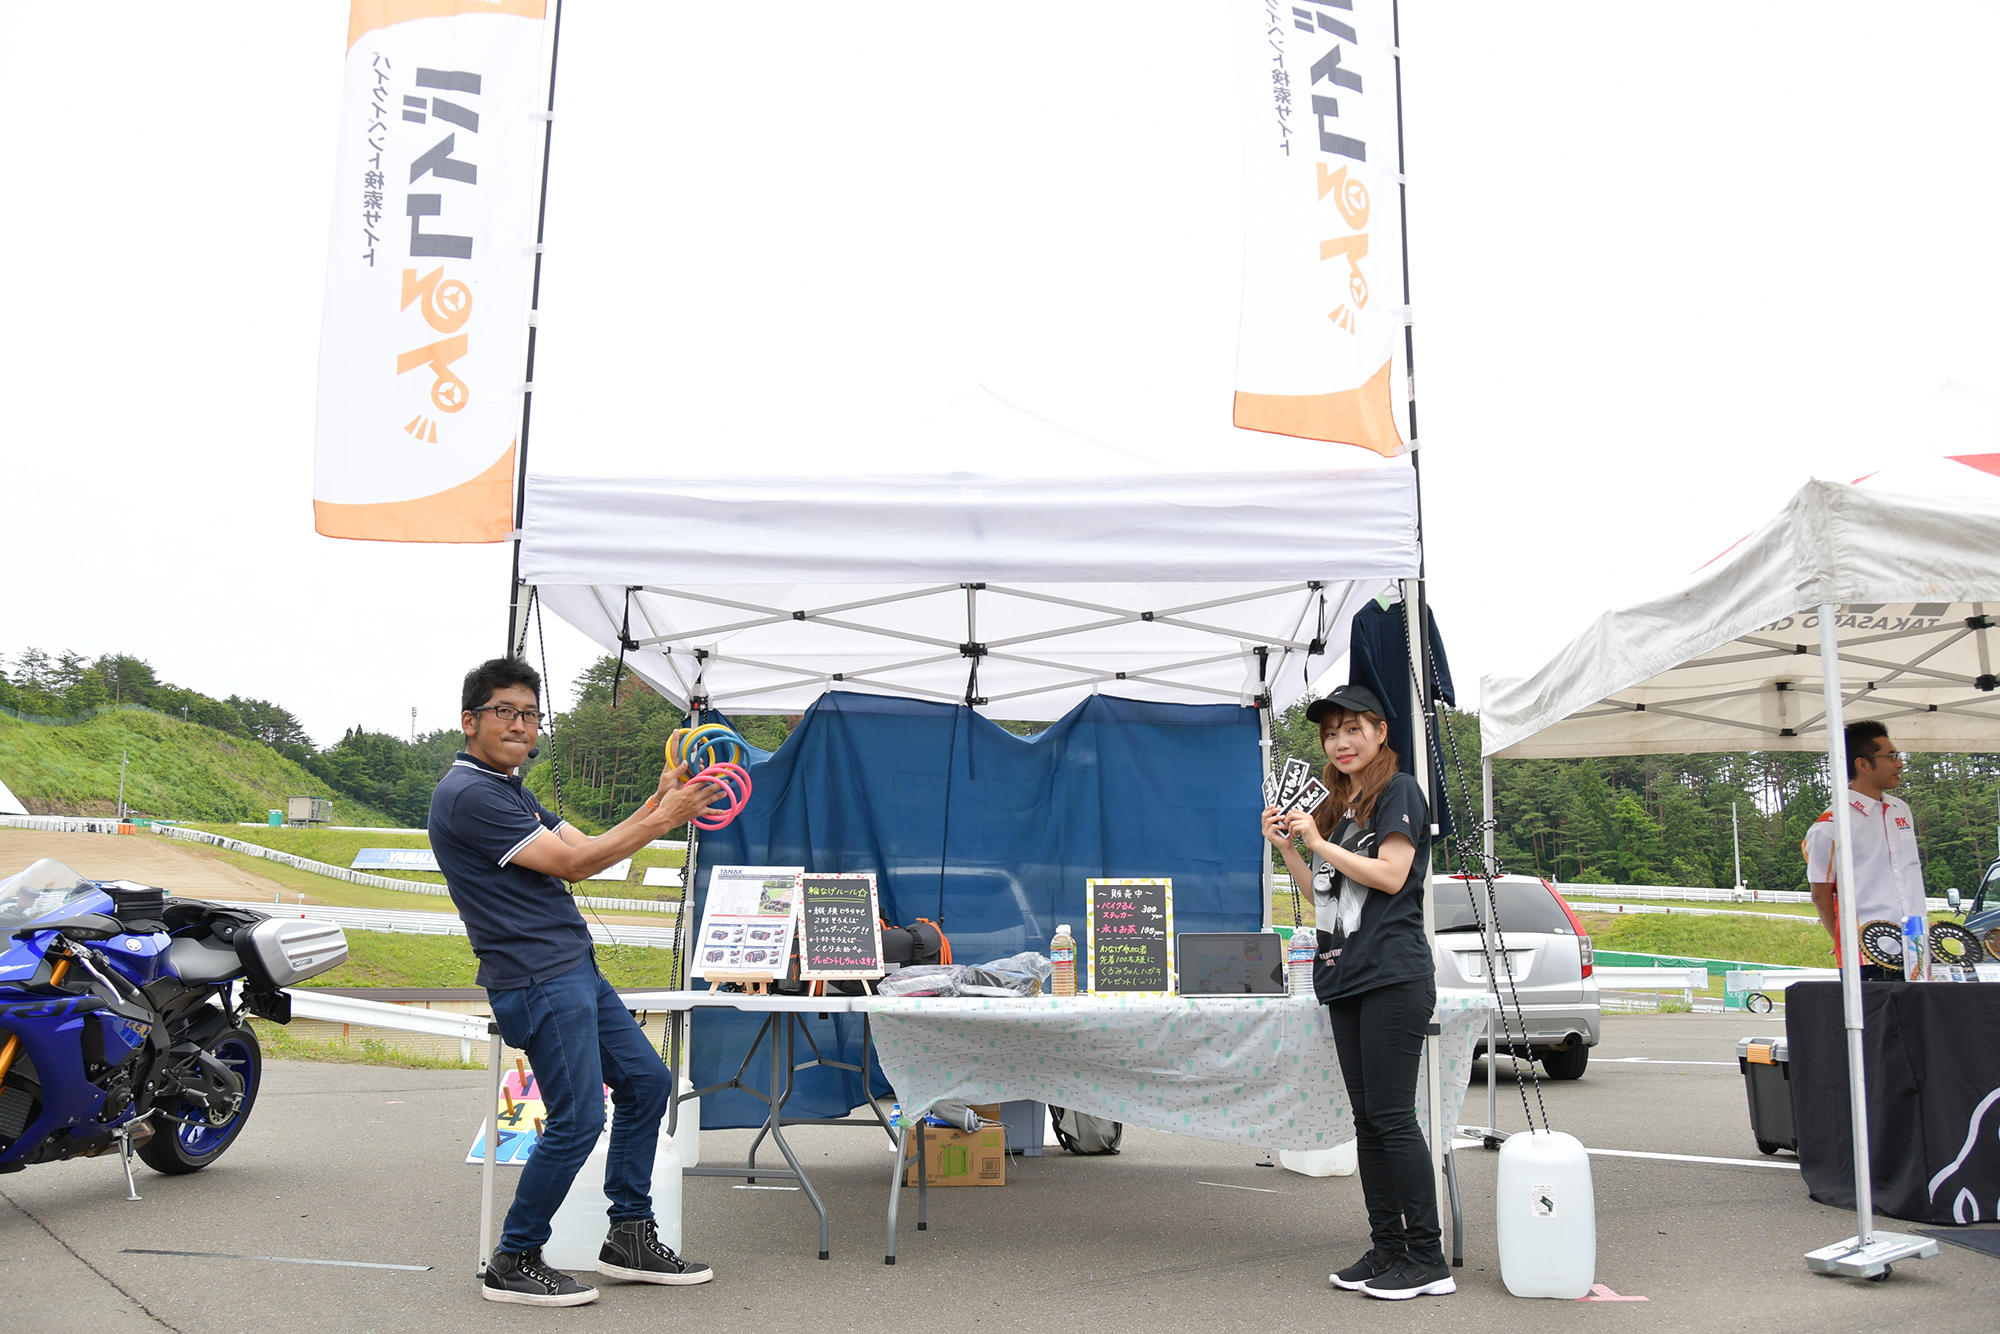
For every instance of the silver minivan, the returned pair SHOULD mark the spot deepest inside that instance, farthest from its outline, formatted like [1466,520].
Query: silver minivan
[1547,952]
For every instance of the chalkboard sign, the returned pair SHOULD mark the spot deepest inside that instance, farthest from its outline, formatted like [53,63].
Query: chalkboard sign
[1130,941]
[840,927]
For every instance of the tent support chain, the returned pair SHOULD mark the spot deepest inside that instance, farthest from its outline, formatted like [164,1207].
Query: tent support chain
[1868,1253]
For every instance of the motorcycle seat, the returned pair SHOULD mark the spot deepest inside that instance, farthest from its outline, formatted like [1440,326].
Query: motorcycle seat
[202,960]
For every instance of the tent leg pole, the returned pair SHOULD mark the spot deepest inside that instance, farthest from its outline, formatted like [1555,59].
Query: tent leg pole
[1486,807]
[1868,1253]
[1270,871]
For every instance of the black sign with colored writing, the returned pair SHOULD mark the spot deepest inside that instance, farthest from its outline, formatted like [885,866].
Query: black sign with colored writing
[1131,946]
[840,927]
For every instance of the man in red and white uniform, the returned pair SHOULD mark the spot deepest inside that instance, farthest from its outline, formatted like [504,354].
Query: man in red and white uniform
[1888,879]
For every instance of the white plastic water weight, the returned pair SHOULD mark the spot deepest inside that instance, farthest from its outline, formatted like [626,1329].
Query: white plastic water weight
[1545,1213]
[581,1222]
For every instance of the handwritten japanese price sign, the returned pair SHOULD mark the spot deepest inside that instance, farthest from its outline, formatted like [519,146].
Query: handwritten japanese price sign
[1130,935]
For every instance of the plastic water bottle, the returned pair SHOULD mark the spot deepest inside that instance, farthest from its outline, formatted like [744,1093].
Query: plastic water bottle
[1546,1216]
[1062,953]
[1299,950]
[1914,948]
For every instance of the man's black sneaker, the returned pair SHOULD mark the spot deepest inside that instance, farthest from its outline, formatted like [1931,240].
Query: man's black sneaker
[634,1251]
[525,1279]
[1377,1261]
[1411,1278]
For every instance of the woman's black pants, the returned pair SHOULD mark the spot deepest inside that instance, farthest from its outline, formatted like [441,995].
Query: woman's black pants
[1379,1037]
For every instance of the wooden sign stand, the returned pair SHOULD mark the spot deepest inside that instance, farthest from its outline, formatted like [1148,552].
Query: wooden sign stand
[867,986]
[754,984]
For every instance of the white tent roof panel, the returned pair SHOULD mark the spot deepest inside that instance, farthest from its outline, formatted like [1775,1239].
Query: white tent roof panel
[1092,569]
[1731,661]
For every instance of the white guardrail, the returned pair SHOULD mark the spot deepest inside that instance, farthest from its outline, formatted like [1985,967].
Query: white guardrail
[1687,893]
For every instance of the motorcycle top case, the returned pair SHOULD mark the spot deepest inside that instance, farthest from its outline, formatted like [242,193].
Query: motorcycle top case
[281,951]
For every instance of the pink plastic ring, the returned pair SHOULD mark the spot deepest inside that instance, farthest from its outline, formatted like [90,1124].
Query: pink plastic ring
[734,780]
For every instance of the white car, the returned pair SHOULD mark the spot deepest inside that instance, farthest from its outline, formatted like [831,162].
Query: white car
[1548,955]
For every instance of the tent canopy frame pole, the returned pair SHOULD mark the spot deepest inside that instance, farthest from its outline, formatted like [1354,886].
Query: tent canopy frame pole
[1868,1253]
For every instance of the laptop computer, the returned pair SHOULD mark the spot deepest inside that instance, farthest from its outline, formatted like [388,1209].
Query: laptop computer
[1230,963]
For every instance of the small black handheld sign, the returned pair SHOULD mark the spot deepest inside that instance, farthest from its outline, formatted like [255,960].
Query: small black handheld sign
[840,927]
[1130,925]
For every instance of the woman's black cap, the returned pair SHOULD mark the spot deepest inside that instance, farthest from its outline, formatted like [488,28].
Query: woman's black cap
[1353,698]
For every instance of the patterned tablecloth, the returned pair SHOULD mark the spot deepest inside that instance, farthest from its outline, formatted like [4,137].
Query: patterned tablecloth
[1244,1070]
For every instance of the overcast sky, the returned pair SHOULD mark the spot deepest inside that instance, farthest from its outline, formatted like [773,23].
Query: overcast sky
[1667,264]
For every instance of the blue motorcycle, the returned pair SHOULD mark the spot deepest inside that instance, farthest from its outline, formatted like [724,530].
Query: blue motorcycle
[124,1018]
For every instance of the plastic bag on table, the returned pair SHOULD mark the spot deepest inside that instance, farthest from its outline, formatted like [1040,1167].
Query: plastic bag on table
[1016,975]
[923,979]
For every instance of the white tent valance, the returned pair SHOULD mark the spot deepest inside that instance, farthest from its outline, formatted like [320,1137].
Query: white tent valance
[1731,661]
[995,558]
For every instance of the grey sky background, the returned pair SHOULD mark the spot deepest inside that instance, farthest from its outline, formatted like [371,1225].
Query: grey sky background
[1666,266]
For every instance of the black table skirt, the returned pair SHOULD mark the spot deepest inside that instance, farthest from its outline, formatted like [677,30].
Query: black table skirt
[1932,1054]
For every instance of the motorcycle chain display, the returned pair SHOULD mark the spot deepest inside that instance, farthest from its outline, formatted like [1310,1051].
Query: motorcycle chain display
[1882,944]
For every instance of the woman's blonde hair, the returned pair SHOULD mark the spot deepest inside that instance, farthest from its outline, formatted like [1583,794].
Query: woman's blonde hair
[1360,791]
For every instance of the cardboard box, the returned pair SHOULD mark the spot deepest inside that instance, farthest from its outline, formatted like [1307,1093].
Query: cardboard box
[954,1158]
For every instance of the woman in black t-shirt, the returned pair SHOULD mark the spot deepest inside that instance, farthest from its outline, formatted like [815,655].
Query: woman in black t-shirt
[1370,846]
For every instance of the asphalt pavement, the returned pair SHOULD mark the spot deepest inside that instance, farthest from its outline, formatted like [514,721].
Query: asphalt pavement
[348,1204]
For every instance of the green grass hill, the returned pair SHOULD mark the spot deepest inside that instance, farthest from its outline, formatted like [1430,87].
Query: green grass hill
[177,771]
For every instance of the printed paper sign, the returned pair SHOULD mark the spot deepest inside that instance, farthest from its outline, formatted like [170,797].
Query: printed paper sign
[521,1116]
[746,921]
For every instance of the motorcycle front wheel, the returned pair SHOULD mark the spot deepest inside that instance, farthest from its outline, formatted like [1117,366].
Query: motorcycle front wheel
[176,1148]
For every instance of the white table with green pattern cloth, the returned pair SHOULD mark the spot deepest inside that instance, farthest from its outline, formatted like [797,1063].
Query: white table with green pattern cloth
[1255,1070]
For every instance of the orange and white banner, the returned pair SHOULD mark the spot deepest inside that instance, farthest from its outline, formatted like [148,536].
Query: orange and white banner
[427,284]
[1323,263]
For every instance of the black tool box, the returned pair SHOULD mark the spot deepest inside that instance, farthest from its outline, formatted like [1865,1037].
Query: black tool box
[1767,1077]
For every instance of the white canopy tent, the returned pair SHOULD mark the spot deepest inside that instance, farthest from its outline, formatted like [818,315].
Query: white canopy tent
[1872,598]
[1731,661]
[991,558]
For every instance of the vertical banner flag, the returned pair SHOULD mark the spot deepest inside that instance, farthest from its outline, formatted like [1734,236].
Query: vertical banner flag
[422,343]
[1323,262]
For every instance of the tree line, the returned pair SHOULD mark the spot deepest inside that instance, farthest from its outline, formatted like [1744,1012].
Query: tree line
[1665,819]
[1640,820]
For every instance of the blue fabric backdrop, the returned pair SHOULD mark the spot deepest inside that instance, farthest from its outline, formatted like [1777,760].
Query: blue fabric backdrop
[991,835]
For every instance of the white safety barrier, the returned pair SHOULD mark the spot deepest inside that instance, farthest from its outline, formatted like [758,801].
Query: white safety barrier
[64,824]
[1639,977]
[1774,979]
[467,1028]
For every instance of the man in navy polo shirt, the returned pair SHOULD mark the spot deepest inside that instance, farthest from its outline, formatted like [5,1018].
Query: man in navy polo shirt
[505,861]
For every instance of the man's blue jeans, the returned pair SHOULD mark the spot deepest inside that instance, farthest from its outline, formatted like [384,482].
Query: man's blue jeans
[580,1037]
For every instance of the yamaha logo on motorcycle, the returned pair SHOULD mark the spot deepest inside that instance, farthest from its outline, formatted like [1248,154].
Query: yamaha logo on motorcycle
[124,1018]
